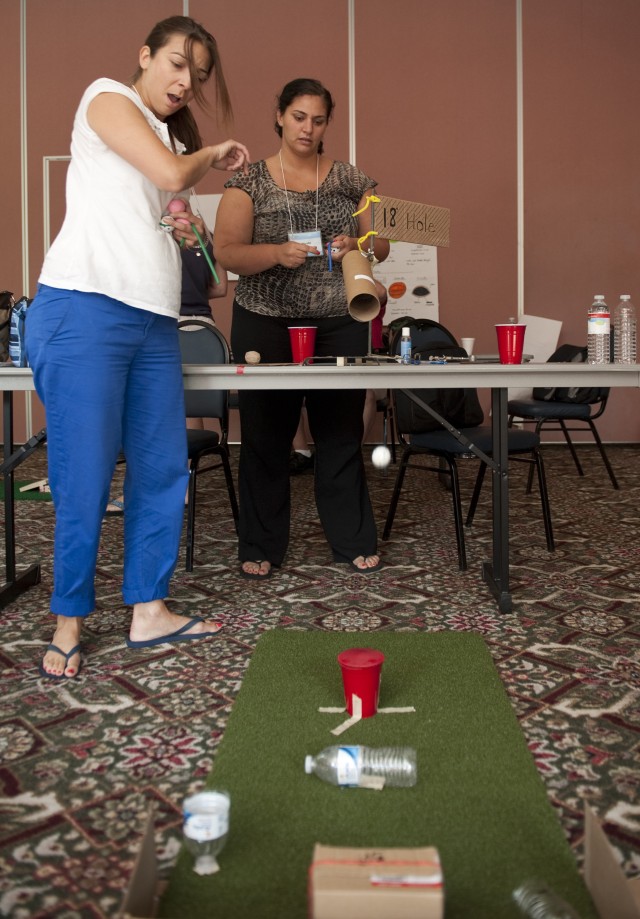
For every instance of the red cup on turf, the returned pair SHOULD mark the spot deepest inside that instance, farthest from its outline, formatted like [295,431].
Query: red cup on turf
[361,669]
[303,340]
[510,342]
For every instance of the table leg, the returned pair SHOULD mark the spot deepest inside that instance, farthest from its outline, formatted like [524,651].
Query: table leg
[14,585]
[496,573]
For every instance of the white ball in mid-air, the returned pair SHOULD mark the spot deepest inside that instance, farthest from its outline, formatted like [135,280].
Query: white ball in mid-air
[381,457]
[252,357]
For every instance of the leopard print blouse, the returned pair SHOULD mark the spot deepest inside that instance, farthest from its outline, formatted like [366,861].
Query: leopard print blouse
[311,291]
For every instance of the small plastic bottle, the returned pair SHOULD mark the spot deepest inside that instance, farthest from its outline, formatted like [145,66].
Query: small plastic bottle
[538,901]
[405,346]
[353,766]
[624,332]
[205,828]
[598,332]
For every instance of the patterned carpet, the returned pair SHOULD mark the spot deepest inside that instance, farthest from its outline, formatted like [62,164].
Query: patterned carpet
[80,763]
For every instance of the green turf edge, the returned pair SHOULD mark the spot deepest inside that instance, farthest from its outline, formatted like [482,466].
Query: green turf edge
[479,797]
[34,495]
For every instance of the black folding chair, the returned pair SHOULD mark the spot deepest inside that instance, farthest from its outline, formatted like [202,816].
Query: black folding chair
[420,435]
[201,343]
[565,409]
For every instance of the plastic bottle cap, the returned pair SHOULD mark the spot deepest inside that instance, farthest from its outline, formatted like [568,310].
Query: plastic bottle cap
[625,296]
[308,764]
[206,864]
[599,297]
[406,332]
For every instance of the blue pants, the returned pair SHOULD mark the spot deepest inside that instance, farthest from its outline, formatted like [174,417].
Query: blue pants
[110,378]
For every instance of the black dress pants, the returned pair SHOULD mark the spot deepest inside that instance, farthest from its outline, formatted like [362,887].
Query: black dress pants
[268,422]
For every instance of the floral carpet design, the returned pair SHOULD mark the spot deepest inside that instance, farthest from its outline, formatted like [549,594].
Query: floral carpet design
[81,762]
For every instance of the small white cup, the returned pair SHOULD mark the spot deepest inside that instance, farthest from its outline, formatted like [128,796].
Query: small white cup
[467,344]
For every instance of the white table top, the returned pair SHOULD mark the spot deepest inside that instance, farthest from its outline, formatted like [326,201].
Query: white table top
[385,376]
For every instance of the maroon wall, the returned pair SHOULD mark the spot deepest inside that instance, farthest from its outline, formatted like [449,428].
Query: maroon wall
[436,122]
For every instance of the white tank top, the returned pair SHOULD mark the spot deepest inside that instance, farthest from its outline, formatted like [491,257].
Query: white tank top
[111,241]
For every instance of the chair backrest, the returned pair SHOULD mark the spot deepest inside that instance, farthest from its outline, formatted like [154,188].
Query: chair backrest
[459,407]
[201,343]
[571,354]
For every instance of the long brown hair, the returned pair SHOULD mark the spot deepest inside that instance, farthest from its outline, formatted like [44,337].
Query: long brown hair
[182,124]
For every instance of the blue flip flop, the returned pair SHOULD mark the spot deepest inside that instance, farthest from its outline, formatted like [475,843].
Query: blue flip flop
[179,635]
[59,677]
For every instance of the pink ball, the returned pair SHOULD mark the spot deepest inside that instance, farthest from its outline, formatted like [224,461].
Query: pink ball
[176,205]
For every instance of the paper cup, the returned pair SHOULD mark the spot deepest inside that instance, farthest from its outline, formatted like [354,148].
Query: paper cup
[303,340]
[467,344]
[361,669]
[510,342]
[360,287]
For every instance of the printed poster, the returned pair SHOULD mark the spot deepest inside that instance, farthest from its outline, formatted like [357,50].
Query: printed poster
[410,274]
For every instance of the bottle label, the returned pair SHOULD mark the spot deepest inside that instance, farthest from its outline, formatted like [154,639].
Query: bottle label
[598,324]
[405,351]
[203,827]
[348,766]
[206,816]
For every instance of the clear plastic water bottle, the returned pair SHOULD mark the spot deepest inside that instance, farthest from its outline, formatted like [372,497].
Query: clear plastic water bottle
[598,332]
[624,332]
[205,828]
[405,346]
[538,901]
[362,766]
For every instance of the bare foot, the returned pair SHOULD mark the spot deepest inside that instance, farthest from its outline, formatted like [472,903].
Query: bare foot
[256,569]
[153,620]
[66,637]
[366,561]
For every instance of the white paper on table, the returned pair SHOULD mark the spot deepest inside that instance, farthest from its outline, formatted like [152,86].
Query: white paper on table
[540,340]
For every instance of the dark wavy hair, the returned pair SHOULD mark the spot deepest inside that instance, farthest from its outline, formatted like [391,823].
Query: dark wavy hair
[182,124]
[303,86]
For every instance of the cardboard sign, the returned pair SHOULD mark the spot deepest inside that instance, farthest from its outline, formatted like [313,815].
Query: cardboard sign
[412,222]
[614,895]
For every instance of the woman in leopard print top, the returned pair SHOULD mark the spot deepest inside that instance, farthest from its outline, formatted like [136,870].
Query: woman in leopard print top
[272,229]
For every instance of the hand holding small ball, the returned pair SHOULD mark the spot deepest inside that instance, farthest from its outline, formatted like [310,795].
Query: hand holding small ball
[175,206]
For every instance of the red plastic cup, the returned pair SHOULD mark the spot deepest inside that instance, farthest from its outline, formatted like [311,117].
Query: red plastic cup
[303,339]
[510,342]
[361,677]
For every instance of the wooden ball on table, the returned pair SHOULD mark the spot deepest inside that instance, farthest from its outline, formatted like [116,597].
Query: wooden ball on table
[252,357]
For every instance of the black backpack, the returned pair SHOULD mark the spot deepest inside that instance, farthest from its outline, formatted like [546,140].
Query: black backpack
[567,354]
[7,303]
[460,407]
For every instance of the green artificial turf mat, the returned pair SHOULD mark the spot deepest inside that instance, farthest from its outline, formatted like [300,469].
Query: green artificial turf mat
[31,495]
[479,798]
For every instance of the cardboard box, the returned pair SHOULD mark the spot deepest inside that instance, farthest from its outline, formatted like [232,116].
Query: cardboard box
[144,891]
[614,895]
[375,884]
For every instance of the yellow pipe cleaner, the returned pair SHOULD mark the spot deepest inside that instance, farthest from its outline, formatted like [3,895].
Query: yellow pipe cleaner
[371,199]
[365,237]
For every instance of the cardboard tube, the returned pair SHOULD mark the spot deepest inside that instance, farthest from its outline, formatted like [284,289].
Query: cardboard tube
[362,300]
